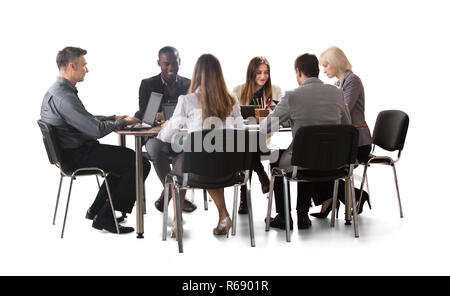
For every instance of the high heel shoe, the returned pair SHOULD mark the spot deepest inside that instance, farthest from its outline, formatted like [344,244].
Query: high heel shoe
[175,230]
[223,227]
[365,197]
[324,214]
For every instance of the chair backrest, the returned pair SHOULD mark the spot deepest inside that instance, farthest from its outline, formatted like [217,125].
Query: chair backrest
[217,153]
[51,146]
[325,147]
[390,130]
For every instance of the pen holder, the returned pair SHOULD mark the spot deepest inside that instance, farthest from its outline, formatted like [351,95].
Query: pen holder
[260,114]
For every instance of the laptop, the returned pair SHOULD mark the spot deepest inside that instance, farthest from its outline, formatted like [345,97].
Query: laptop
[149,119]
[248,111]
[168,110]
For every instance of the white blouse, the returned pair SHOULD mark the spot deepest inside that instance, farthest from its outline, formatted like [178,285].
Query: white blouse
[277,94]
[188,114]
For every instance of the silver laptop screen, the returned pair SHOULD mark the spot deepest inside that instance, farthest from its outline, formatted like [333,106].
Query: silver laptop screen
[152,108]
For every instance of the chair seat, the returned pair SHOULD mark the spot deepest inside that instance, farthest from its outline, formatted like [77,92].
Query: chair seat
[380,159]
[82,173]
[237,178]
[318,176]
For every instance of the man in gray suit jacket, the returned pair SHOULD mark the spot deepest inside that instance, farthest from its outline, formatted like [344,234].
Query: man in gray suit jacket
[312,103]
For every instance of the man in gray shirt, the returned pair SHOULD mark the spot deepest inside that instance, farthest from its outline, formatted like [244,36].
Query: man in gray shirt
[77,131]
[312,103]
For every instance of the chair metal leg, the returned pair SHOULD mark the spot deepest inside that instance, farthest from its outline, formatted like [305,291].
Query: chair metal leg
[355,212]
[57,199]
[179,222]
[348,203]
[286,208]
[335,195]
[269,206]
[368,191]
[165,211]
[67,207]
[98,182]
[112,205]
[364,178]
[235,201]
[398,191]
[205,199]
[250,215]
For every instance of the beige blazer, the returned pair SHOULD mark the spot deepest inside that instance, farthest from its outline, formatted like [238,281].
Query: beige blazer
[276,93]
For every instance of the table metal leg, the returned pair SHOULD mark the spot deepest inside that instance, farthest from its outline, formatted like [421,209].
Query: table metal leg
[122,141]
[139,189]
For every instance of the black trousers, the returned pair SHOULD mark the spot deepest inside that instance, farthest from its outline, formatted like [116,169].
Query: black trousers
[257,166]
[119,162]
[303,202]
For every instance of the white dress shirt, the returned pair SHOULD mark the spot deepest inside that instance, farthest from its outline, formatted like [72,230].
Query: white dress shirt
[188,114]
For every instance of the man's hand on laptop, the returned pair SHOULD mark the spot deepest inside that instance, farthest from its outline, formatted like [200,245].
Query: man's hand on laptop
[160,116]
[131,120]
[117,117]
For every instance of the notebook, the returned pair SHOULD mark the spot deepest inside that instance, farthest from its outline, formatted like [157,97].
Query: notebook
[248,111]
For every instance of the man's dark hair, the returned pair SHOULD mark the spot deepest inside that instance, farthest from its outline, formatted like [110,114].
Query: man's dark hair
[308,65]
[69,54]
[168,49]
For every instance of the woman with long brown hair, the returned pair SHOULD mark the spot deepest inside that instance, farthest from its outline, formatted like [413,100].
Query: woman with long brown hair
[208,97]
[259,91]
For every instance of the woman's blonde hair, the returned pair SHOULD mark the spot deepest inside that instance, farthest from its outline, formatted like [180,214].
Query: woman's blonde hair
[215,99]
[336,58]
[248,91]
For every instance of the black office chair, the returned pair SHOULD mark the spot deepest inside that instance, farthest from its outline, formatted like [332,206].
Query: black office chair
[54,156]
[205,194]
[389,133]
[320,153]
[232,158]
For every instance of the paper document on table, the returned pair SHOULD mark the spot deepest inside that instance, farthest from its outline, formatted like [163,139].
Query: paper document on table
[279,140]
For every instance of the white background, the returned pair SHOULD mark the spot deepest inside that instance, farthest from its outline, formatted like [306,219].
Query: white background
[398,48]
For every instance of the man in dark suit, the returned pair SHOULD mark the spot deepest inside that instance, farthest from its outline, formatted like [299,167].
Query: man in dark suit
[171,85]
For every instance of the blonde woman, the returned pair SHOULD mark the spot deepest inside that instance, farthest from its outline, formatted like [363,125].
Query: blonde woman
[336,64]
[257,90]
[207,97]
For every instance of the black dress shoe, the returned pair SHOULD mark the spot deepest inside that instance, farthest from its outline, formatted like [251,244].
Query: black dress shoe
[159,203]
[243,209]
[90,215]
[188,206]
[110,226]
[303,221]
[279,222]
